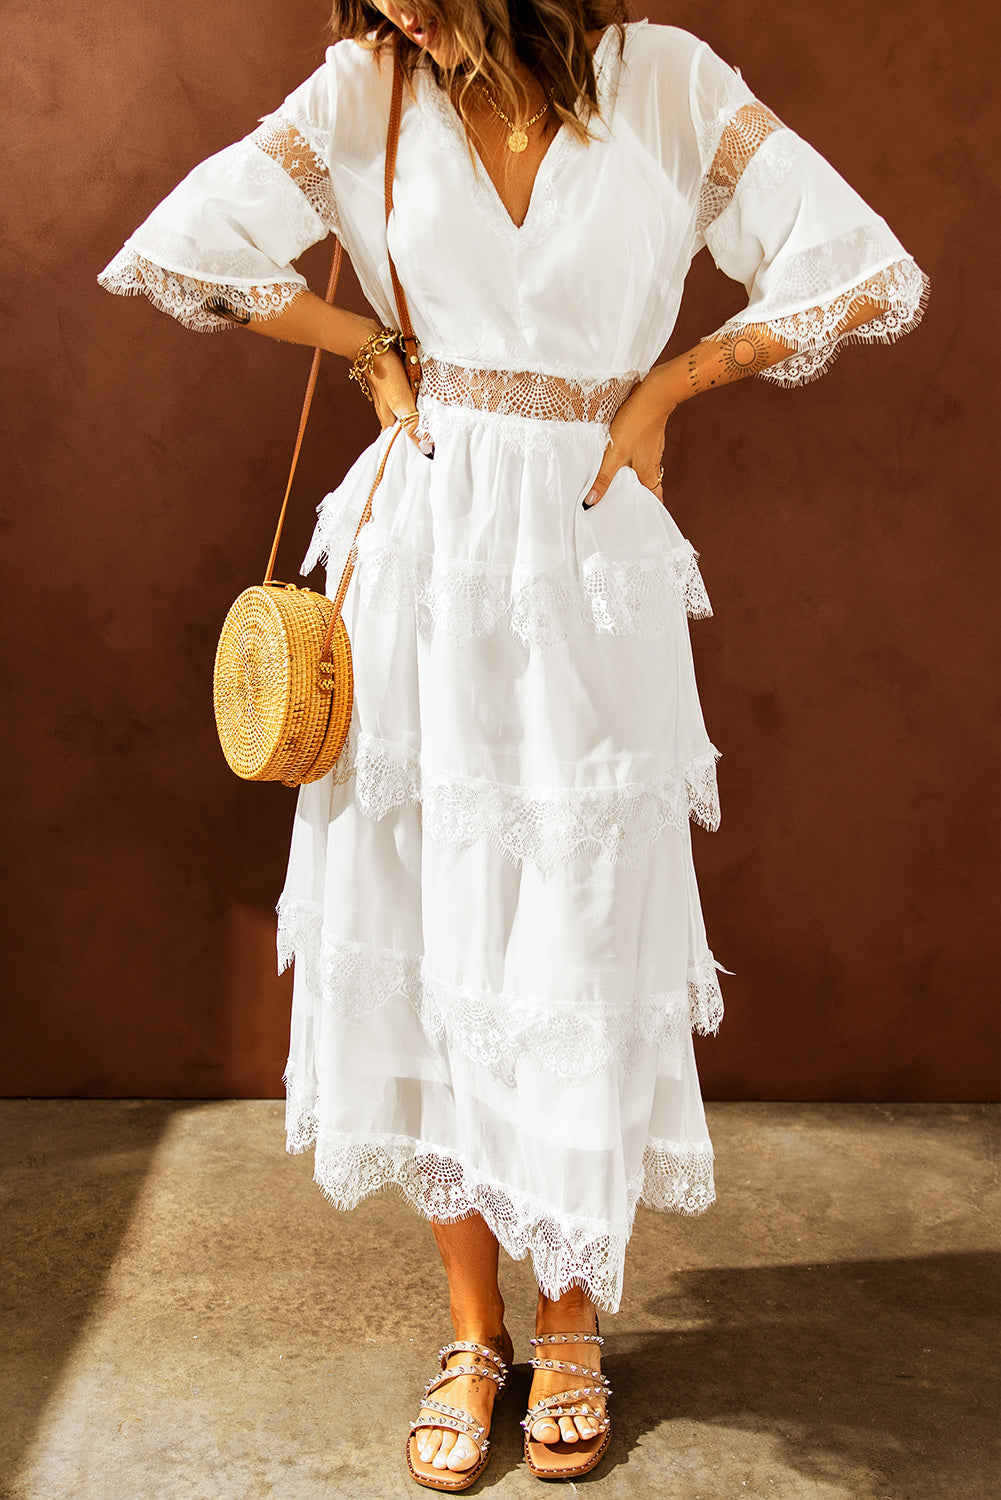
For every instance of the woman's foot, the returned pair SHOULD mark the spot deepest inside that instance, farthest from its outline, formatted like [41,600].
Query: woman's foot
[572,1313]
[442,1449]
[567,1429]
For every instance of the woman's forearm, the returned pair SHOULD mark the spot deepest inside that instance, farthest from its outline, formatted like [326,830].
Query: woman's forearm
[309,320]
[735,355]
[716,362]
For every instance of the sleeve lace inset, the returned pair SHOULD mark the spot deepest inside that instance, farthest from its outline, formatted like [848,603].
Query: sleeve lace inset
[743,133]
[813,256]
[278,137]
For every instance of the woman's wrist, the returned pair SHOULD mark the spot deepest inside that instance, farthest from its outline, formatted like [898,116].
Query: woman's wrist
[660,392]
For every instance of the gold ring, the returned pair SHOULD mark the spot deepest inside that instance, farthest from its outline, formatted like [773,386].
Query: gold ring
[660,476]
[411,419]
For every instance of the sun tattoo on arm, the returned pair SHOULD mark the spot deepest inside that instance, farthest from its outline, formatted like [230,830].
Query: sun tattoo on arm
[745,353]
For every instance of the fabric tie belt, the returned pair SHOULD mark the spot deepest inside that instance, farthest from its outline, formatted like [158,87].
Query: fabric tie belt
[538,397]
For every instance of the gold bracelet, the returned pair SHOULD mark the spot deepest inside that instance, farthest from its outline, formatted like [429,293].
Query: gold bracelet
[374,345]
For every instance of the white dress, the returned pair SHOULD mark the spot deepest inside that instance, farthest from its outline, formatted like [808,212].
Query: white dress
[499,949]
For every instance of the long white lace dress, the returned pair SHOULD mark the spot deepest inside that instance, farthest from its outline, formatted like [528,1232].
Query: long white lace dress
[499,949]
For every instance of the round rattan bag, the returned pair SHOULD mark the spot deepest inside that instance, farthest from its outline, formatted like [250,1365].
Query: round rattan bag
[282,703]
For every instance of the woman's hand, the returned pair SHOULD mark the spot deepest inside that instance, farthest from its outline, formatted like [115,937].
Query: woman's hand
[391,393]
[637,438]
[309,320]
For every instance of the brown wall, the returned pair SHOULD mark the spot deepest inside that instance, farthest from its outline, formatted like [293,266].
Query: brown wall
[848,534]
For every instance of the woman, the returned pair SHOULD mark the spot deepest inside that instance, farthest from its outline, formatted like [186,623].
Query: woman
[499,950]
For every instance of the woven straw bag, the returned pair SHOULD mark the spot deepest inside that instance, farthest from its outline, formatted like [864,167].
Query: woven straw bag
[283,684]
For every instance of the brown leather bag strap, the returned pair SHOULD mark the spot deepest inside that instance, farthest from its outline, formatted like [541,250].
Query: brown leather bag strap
[412,364]
[335,271]
[412,357]
[349,566]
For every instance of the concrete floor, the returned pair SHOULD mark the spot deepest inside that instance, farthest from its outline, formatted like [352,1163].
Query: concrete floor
[185,1315]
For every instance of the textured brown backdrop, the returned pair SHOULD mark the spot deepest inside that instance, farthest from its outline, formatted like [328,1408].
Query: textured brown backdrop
[848,533]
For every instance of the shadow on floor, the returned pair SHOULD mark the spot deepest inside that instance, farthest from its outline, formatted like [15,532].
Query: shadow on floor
[882,1375]
[79,1165]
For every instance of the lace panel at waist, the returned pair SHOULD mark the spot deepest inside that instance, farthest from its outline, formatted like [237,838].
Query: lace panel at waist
[532,394]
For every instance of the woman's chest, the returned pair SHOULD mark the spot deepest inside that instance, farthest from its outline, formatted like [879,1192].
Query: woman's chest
[601,228]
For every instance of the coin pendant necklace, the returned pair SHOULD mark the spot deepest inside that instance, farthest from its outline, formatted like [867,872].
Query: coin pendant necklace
[517,140]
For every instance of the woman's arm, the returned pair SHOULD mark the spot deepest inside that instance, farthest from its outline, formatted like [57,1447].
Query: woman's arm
[309,320]
[637,430]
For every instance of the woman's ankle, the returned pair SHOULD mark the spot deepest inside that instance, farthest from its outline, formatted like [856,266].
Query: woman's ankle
[482,1323]
[573,1312]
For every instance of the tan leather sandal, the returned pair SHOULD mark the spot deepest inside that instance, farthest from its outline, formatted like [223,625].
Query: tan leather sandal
[489,1364]
[564,1460]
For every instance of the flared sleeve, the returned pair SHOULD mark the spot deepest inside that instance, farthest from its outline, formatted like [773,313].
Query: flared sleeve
[219,248]
[776,216]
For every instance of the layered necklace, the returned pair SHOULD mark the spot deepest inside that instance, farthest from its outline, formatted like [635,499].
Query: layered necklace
[517,140]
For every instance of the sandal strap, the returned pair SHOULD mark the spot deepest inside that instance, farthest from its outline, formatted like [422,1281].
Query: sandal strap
[567,1369]
[566,1338]
[456,1420]
[465,1346]
[562,1405]
[454,1371]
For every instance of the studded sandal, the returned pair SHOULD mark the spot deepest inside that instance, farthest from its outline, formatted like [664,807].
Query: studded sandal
[485,1363]
[565,1460]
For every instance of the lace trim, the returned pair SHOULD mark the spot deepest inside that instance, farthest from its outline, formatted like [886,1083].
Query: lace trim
[764,173]
[534,395]
[545,827]
[189,300]
[819,333]
[564,1248]
[743,132]
[709,132]
[465,600]
[677,1178]
[571,1039]
[280,138]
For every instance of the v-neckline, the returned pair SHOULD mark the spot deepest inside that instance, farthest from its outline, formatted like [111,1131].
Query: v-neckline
[484,183]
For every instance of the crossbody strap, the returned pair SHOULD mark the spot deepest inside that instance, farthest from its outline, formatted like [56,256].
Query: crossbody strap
[412,358]
[314,370]
[411,362]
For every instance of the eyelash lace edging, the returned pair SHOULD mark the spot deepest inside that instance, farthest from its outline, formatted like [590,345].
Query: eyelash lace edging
[563,1250]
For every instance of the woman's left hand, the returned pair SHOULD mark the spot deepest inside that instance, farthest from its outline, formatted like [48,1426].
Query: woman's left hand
[637,439]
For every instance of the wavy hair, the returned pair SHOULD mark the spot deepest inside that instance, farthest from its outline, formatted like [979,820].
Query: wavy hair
[549,37]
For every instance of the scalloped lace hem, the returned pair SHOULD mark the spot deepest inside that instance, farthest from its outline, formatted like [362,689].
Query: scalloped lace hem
[466,600]
[818,334]
[544,826]
[191,301]
[564,1248]
[571,1039]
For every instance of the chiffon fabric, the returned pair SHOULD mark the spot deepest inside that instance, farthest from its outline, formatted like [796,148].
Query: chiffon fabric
[491,903]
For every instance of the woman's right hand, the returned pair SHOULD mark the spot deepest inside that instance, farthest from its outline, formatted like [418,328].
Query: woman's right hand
[391,393]
[309,320]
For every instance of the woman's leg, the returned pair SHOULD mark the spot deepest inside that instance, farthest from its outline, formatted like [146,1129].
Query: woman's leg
[469,1254]
[574,1312]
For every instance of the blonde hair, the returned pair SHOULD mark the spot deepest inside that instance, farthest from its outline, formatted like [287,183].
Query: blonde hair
[549,37]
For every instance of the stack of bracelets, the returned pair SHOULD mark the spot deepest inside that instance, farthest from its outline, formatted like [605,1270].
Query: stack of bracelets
[374,345]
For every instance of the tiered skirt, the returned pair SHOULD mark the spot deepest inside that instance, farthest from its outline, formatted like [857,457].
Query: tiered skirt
[491,903]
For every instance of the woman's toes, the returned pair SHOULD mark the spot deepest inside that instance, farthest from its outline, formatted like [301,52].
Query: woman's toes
[545,1430]
[463,1454]
[568,1432]
[428,1439]
[585,1427]
[440,1460]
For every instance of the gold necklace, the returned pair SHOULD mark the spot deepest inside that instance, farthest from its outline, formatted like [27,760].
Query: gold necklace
[517,141]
